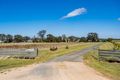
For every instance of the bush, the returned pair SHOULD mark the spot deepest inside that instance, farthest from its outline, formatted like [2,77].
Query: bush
[53,48]
[66,47]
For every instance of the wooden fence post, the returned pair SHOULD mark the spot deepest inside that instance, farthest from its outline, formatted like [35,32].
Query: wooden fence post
[37,51]
[99,54]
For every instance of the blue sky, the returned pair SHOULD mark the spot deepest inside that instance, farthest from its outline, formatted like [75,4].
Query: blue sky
[71,17]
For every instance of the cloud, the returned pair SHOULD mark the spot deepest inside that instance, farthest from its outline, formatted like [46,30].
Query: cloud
[75,12]
[118,19]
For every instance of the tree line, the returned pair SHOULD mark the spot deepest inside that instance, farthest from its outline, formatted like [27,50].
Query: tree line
[43,37]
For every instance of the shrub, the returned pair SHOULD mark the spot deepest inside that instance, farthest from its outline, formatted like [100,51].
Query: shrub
[66,47]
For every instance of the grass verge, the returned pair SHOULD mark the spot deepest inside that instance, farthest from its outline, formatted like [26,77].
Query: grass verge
[112,70]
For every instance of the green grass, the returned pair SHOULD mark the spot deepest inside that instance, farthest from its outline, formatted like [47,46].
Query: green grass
[112,70]
[44,55]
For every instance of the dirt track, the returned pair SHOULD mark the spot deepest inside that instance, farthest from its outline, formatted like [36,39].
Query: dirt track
[68,67]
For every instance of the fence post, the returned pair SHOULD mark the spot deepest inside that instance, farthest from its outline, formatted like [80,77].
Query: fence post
[99,54]
[37,51]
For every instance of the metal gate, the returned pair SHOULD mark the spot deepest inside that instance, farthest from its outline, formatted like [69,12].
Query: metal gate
[19,53]
[110,55]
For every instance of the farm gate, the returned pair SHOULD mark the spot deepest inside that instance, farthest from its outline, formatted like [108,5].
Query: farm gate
[109,55]
[19,53]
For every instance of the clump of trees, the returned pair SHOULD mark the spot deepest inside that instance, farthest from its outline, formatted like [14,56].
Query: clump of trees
[16,38]
[43,37]
[93,37]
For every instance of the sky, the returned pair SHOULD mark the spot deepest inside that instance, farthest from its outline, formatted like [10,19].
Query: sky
[70,17]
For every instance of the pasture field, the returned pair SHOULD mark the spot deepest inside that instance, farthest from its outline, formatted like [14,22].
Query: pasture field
[34,45]
[44,55]
[116,40]
[106,46]
[112,70]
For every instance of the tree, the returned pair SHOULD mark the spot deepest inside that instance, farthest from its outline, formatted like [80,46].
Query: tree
[35,39]
[2,37]
[18,38]
[9,38]
[93,37]
[50,38]
[73,38]
[109,39]
[83,39]
[41,34]
[59,39]
[26,38]
[64,38]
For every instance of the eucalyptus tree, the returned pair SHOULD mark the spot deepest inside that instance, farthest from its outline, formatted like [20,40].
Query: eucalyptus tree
[18,38]
[41,34]
[93,37]
[73,38]
[26,38]
[2,37]
[51,38]
[9,38]
[83,39]
[64,38]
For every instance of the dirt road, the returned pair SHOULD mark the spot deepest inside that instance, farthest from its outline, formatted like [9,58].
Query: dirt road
[67,67]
